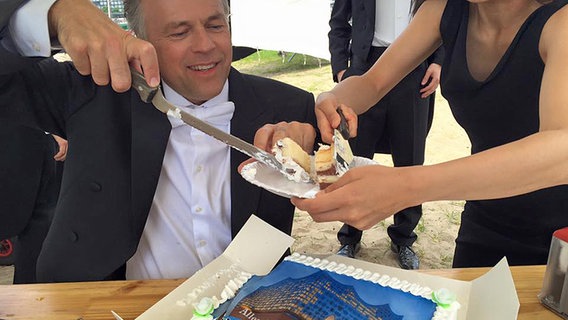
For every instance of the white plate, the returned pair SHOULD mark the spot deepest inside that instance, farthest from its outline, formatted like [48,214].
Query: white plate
[267,178]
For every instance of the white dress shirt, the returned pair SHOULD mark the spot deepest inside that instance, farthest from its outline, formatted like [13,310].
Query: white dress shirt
[189,223]
[29,29]
[391,18]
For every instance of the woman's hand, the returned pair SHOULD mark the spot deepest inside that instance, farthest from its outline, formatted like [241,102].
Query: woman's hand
[328,118]
[362,197]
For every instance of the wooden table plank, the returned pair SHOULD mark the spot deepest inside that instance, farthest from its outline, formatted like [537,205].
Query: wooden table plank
[94,300]
[81,300]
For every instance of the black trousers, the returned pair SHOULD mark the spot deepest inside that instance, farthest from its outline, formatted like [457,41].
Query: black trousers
[398,124]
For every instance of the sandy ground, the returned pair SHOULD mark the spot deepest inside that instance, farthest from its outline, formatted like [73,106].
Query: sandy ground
[436,230]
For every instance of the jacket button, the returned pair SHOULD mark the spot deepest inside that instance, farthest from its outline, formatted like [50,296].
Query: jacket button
[95,187]
[73,236]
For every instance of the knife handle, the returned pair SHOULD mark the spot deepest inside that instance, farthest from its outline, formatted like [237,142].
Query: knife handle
[343,126]
[146,92]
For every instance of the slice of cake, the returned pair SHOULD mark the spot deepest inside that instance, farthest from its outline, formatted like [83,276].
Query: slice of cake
[303,287]
[326,166]
[295,160]
[325,171]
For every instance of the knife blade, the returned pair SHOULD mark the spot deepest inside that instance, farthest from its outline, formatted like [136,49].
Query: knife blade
[154,95]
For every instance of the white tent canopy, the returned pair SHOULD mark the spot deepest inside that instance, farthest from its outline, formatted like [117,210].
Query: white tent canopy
[298,26]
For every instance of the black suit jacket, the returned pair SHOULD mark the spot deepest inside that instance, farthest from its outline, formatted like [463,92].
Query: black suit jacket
[352,25]
[24,150]
[24,171]
[352,29]
[8,7]
[116,148]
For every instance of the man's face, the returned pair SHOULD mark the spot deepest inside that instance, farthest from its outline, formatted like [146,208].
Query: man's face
[193,43]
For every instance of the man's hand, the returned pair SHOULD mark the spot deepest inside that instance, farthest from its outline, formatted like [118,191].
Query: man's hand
[62,152]
[362,197]
[100,47]
[265,138]
[304,134]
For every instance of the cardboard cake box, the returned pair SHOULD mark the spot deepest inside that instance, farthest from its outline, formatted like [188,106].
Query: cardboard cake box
[258,247]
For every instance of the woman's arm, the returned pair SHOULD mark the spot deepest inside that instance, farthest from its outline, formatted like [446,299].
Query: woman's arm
[366,195]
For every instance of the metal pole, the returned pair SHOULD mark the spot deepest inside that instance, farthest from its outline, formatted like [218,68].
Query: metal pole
[108,9]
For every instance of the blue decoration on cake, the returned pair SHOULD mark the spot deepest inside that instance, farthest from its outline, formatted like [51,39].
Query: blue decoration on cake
[294,290]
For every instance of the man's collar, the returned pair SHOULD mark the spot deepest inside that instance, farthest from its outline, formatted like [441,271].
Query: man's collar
[179,101]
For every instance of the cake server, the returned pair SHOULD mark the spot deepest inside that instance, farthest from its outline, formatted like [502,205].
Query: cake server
[342,152]
[154,95]
[343,127]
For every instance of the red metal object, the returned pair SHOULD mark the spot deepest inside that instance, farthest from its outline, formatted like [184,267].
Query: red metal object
[6,248]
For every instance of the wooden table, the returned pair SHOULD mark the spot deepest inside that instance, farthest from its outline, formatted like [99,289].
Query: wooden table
[94,300]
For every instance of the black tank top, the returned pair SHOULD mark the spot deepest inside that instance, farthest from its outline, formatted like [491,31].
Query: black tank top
[498,110]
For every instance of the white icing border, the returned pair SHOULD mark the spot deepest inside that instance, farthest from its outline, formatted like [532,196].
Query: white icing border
[383,280]
[236,278]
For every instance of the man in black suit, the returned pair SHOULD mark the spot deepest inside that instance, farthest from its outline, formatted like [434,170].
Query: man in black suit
[398,124]
[29,185]
[139,186]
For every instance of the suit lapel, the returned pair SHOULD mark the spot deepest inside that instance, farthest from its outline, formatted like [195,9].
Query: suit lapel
[249,115]
[150,134]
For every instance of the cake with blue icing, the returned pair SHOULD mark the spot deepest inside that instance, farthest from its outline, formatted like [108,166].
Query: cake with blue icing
[303,287]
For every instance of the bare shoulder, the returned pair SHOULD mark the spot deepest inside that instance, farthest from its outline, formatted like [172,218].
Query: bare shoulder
[433,5]
[430,13]
[555,29]
[554,50]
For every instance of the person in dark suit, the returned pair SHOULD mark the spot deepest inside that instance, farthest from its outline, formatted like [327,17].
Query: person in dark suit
[30,171]
[398,124]
[142,194]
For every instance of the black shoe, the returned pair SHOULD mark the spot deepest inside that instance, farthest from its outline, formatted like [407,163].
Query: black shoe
[407,259]
[349,250]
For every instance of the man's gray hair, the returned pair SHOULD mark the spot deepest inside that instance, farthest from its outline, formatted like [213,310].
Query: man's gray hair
[135,18]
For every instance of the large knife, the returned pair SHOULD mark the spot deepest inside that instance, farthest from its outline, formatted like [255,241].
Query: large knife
[154,95]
